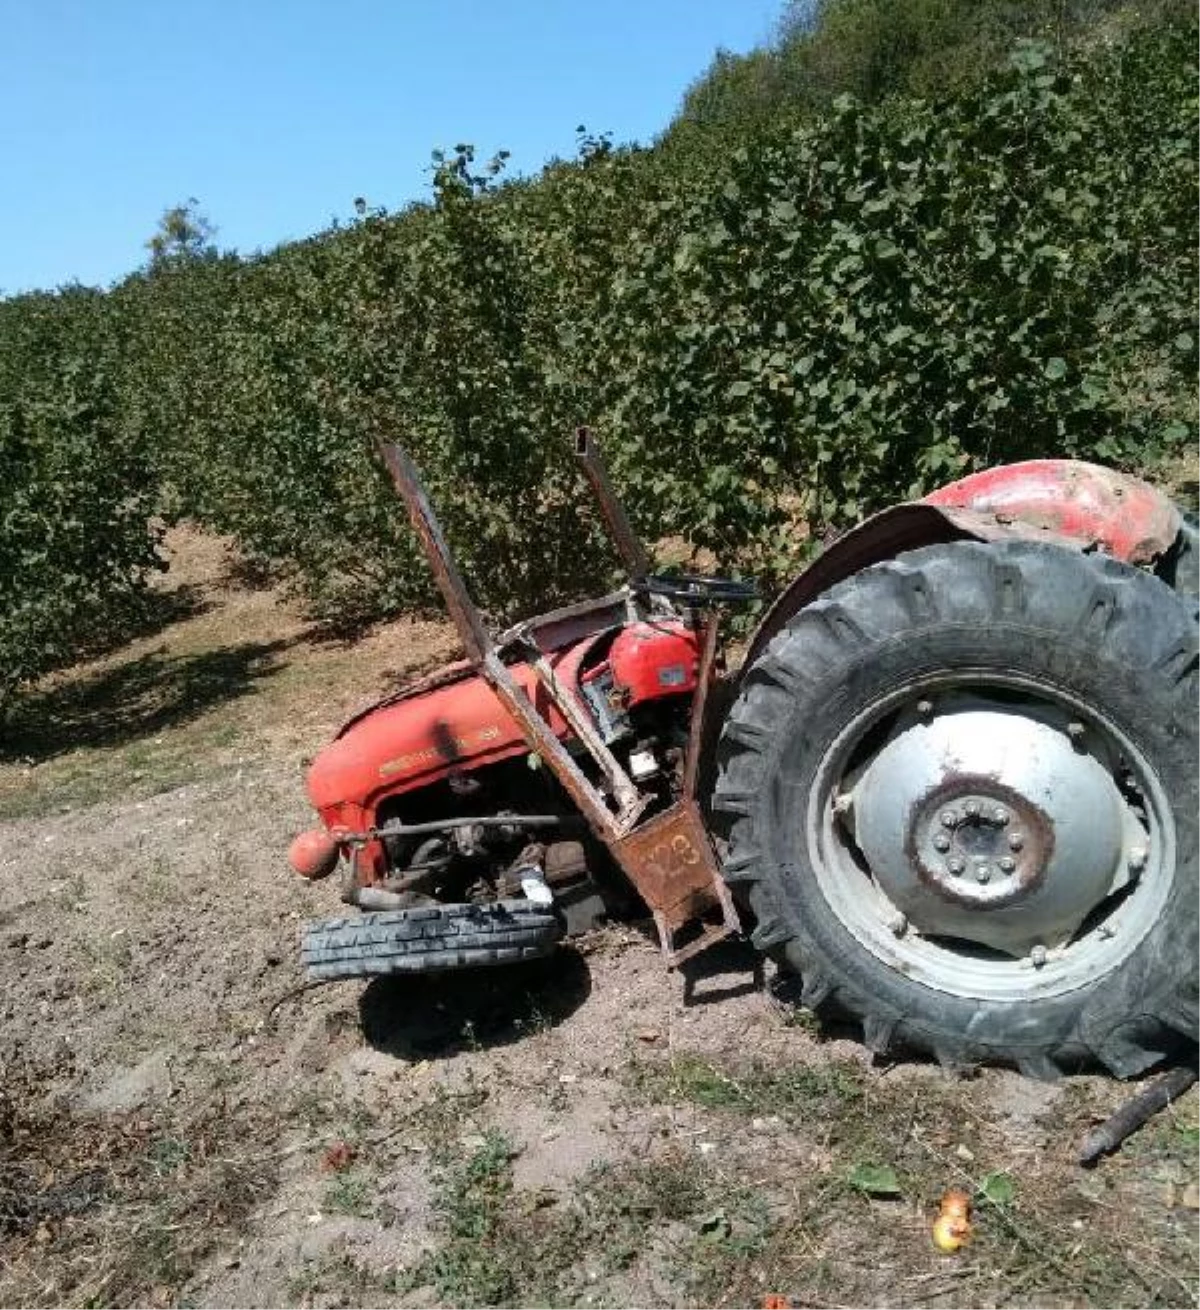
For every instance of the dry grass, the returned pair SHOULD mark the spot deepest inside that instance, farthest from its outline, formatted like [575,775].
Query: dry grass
[119,1210]
[1065,1236]
[235,674]
[727,1226]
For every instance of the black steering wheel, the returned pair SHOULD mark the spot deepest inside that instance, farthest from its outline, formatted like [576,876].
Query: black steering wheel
[695,589]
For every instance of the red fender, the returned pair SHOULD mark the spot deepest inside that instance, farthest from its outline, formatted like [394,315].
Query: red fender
[1074,505]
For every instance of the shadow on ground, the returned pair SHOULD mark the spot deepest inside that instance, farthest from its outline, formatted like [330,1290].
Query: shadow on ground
[143,614]
[445,1013]
[734,967]
[727,969]
[136,699]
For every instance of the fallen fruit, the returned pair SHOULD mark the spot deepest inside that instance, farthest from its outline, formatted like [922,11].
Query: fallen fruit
[952,1227]
[337,1157]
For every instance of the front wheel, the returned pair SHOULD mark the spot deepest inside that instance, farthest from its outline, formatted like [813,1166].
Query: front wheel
[429,939]
[960,793]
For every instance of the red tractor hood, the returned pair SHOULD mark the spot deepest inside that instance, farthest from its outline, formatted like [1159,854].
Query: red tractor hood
[419,738]
[454,722]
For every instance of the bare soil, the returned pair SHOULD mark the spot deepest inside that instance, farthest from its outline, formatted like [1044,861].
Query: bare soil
[182,1124]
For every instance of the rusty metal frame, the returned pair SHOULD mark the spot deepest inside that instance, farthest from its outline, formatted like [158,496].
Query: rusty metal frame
[670,858]
[587,452]
[482,654]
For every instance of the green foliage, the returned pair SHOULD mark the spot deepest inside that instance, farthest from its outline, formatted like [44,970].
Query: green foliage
[821,319]
[875,49]
[75,497]
[874,1180]
[470,1267]
[998,1188]
[183,233]
[888,299]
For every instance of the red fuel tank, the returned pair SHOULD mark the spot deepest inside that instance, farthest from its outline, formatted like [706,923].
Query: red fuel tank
[650,660]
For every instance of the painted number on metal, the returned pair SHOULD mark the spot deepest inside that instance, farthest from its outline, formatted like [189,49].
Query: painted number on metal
[673,855]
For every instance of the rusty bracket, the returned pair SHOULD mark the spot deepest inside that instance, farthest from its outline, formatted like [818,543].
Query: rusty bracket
[670,859]
[631,550]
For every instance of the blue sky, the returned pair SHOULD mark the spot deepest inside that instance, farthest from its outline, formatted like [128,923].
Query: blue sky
[277,113]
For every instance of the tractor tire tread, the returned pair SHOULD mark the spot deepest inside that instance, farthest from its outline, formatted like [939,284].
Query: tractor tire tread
[429,939]
[1087,607]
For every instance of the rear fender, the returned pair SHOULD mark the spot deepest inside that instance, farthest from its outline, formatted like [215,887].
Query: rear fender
[1074,505]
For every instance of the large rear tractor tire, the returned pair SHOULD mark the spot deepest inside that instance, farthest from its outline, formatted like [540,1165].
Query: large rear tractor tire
[429,939]
[959,792]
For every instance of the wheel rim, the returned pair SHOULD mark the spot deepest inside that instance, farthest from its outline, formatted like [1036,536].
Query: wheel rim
[990,836]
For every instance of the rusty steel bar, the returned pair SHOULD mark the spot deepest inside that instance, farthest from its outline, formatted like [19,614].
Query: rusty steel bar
[482,654]
[708,655]
[546,745]
[1135,1112]
[429,533]
[631,550]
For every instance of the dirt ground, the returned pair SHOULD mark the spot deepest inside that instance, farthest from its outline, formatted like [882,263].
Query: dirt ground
[181,1125]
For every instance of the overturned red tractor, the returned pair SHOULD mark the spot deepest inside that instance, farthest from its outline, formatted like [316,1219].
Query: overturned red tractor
[952,789]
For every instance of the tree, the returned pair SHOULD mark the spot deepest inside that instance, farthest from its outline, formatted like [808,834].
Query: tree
[184,233]
[77,539]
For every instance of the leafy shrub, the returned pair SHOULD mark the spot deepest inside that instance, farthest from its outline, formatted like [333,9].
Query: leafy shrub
[76,538]
[821,320]
[847,313]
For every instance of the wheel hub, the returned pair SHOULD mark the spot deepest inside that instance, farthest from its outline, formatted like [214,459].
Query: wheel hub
[999,824]
[980,844]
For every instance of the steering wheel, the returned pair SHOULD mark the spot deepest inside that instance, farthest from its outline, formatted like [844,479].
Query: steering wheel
[696,589]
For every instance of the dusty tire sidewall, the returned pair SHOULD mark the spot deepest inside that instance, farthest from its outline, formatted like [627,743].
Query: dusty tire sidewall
[434,939]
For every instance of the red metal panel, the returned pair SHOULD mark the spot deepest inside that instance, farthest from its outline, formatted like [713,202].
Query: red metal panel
[415,742]
[1073,504]
[1124,516]
[410,742]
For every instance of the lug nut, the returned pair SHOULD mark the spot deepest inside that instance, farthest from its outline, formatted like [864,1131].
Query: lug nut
[898,924]
[972,809]
[1076,730]
[1015,841]
[983,872]
[1000,815]
[1038,956]
[949,819]
[925,708]
[956,866]
[1137,858]
[842,804]
[1007,864]
[942,842]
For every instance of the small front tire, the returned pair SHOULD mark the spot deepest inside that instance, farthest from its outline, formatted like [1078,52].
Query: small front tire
[429,939]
